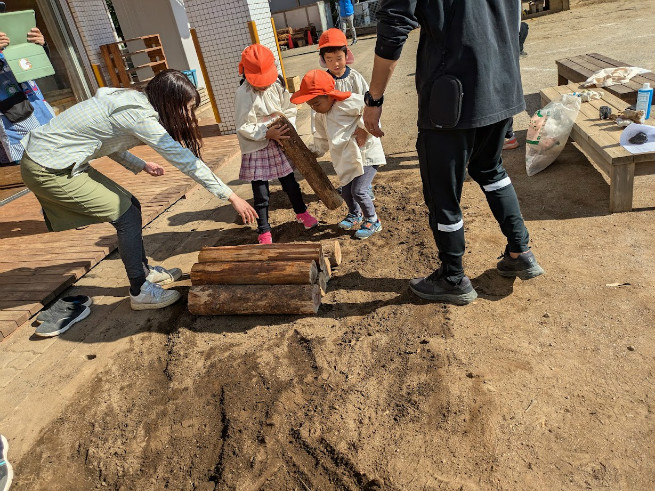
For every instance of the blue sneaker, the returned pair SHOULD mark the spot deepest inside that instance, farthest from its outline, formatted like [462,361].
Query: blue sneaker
[368,228]
[351,222]
[371,194]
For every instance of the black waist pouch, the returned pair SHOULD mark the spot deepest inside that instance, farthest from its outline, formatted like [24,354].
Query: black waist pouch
[446,101]
[16,108]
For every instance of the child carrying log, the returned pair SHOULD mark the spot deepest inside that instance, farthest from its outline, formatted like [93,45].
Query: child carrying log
[339,114]
[260,99]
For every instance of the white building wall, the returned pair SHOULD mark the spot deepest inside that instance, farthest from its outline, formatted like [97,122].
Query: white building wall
[94,26]
[222,28]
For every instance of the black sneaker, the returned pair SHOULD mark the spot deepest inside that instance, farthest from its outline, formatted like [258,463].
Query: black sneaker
[62,304]
[436,287]
[525,266]
[62,320]
[6,472]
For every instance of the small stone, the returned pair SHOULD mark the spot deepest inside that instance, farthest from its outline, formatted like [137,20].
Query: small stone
[631,348]
[546,315]
[639,138]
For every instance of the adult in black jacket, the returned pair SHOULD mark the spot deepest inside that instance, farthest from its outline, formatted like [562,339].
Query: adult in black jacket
[475,44]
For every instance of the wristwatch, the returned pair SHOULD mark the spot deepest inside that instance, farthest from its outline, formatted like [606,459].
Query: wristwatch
[369,101]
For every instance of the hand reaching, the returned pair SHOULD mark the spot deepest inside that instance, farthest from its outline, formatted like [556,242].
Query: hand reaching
[372,120]
[154,169]
[4,40]
[361,135]
[243,208]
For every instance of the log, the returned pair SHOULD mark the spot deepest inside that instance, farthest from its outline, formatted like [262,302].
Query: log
[323,282]
[303,272]
[254,299]
[324,266]
[310,251]
[305,161]
[332,249]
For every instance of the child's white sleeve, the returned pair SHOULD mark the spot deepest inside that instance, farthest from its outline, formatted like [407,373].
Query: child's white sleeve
[319,144]
[360,86]
[288,108]
[246,118]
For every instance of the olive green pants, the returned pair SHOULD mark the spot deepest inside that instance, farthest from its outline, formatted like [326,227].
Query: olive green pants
[74,201]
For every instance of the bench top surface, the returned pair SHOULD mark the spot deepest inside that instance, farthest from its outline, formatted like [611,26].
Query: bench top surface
[587,65]
[602,136]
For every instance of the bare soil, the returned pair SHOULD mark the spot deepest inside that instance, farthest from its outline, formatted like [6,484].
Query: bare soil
[545,384]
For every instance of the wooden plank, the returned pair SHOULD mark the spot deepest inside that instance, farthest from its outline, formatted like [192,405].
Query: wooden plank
[644,167]
[595,65]
[621,187]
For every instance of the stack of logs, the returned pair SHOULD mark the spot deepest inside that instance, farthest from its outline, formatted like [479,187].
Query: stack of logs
[262,279]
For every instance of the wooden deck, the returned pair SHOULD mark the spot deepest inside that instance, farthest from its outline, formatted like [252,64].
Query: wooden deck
[36,266]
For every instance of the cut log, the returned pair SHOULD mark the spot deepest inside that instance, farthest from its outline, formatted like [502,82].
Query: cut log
[324,266]
[332,249]
[303,272]
[305,161]
[254,299]
[309,251]
[323,282]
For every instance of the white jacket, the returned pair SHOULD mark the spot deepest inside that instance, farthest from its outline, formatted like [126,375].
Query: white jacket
[254,109]
[335,132]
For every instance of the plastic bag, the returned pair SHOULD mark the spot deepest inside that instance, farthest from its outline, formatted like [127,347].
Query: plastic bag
[612,76]
[548,132]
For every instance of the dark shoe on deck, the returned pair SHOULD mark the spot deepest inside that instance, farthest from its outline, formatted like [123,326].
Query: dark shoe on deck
[525,266]
[437,288]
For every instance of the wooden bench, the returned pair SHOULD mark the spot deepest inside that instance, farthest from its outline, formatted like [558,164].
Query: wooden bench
[579,68]
[599,139]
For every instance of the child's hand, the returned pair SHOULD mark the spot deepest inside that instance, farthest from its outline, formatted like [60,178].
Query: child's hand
[243,208]
[154,169]
[361,135]
[277,132]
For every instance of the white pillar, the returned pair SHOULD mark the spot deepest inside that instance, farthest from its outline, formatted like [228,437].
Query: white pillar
[222,28]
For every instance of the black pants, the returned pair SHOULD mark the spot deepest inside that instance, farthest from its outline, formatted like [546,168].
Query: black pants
[443,157]
[261,194]
[523,35]
[130,245]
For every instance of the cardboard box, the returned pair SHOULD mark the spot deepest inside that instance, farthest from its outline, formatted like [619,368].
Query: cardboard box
[293,84]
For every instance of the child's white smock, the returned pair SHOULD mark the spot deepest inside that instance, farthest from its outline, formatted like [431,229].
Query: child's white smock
[335,132]
[255,109]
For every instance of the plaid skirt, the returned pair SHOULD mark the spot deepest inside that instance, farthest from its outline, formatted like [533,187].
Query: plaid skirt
[265,165]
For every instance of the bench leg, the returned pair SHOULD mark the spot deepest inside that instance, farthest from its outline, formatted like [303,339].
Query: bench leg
[562,80]
[622,179]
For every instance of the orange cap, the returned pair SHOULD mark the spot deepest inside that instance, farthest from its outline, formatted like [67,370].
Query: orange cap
[315,83]
[258,65]
[332,37]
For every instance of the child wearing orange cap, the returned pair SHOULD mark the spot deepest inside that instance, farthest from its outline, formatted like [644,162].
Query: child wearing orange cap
[335,55]
[339,115]
[260,99]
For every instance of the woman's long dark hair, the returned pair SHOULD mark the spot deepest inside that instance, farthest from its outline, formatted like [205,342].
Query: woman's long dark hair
[169,92]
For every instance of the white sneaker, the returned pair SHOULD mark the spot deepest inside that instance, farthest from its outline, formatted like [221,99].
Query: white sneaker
[153,296]
[163,276]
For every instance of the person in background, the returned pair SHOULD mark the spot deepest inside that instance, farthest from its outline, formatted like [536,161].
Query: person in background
[510,138]
[347,16]
[22,106]
[474,44]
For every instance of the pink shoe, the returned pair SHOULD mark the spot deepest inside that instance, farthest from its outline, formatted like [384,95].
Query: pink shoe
[307,220]
[265,238]
[510,143]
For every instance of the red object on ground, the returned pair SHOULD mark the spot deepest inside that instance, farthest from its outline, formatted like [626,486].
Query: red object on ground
[290,41]
[310,41]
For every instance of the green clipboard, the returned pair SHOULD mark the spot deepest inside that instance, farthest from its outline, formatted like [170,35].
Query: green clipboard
[28,61]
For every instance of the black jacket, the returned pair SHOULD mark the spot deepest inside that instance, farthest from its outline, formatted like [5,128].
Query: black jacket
[481,50]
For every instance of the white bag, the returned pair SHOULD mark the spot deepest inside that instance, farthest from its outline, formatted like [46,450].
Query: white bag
[613,76]
[548,132]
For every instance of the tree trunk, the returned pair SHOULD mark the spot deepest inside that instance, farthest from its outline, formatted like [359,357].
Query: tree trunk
[306,251]
[324,266]
[332,249]
[255,273]
[254,299]
[305,161]
[323,282]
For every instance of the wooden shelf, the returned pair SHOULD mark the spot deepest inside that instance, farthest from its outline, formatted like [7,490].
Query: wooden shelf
[118,60]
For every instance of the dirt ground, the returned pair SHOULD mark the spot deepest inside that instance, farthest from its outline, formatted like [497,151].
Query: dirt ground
[545,384]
